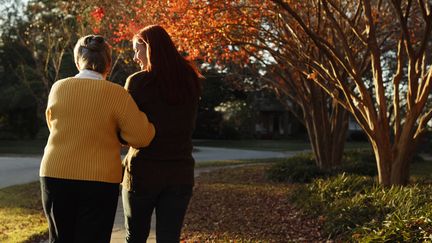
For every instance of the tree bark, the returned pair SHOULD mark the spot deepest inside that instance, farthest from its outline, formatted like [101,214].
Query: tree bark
[394,163]
[326,129]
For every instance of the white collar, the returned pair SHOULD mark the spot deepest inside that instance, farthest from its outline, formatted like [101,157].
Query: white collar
[85,73]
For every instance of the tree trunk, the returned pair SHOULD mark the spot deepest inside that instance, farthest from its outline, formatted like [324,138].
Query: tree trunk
[383,162]
[403,153]
[394,164]
[326,128]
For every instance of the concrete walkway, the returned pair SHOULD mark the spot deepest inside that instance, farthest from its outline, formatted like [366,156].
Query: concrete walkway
[23,169]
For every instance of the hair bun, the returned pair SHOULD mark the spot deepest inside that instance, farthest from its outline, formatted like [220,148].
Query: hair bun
[94,42]
[98,39]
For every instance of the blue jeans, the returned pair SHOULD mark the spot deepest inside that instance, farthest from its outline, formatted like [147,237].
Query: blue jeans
[170,203]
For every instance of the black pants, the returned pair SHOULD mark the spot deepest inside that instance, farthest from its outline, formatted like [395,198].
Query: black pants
[79,211]
[170,203]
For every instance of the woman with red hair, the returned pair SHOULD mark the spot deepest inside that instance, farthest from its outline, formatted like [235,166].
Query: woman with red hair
[161,176]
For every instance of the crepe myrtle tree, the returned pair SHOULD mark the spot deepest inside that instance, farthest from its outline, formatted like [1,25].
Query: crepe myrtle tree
[394,119]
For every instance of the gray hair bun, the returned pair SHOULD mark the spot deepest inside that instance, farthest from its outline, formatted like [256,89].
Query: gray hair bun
[94,43]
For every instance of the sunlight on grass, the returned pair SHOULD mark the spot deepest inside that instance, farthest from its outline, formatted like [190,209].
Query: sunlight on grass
[270,145]
[220,163]
[21,214]
[265,145]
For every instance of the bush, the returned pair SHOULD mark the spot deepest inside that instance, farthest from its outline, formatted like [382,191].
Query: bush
[353,208]
[408,218]
[297,169]
[327,191]
[358,162]
[229,131]
[303,169]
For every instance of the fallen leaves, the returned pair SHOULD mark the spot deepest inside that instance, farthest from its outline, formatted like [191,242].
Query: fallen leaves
[237,205]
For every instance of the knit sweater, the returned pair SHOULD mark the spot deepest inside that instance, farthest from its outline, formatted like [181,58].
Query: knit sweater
[85,117]
[168,160]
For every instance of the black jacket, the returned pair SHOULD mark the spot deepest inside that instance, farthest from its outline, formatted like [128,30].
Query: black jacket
[168,159]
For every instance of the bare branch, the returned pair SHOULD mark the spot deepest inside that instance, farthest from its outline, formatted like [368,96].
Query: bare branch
[422,124]
[404,25]
[376,66]
[396,81]
[424,11]
[352,22]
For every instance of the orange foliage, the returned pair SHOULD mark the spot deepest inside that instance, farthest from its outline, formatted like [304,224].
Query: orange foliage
[203,30]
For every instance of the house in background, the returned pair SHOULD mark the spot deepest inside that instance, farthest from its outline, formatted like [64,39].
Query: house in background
[273,120]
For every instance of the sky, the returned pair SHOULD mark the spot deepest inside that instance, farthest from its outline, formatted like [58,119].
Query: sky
[5,4]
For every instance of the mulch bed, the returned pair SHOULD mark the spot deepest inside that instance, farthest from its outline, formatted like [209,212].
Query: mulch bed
[241,205]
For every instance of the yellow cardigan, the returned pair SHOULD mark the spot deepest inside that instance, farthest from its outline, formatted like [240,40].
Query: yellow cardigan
[84,117]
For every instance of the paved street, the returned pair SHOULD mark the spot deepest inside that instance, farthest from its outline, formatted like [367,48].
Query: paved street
[18,170]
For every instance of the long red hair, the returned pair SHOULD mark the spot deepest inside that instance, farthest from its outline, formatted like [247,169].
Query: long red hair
[178,79]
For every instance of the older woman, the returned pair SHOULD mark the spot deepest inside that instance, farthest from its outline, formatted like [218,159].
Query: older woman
[81,166]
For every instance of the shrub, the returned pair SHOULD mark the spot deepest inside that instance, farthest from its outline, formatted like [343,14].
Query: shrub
[328,191]
[353,208]
[358,162]
[408,218]
[228,131]
[300,168]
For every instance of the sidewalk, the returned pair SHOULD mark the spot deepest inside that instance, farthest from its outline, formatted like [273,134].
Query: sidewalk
[118,233]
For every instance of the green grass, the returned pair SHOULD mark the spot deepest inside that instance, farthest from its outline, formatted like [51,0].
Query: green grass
[421,169]
[23,147]
[21,214]
[265,145]
[222,163]
[269,145]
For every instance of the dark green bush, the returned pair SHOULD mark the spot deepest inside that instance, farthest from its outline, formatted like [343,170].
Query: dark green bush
[303,169]
[297,169]
[358,162]
[355,209]
[327,191]
[408,217]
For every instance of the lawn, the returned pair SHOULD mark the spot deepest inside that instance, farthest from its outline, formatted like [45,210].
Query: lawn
[21,214]
[270,145]
[222,163]
[422,169]
[22,147]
